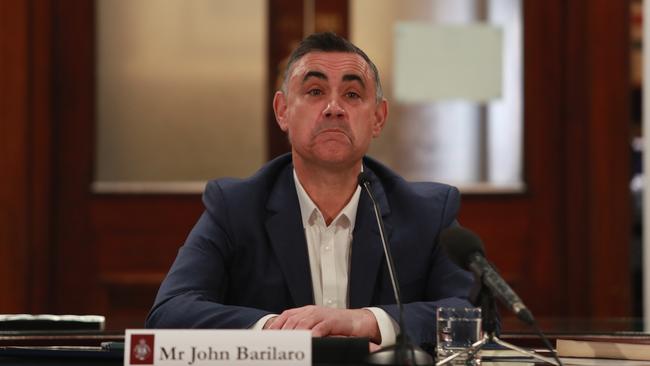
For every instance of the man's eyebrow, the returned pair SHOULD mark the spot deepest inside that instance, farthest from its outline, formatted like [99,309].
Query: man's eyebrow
[354,77]
[314,74]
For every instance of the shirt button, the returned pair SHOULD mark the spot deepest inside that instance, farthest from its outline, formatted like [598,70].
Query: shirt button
[330,301]
[327,247]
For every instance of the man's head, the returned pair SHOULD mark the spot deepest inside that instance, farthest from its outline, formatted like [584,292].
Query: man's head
[330,103]
[330,42]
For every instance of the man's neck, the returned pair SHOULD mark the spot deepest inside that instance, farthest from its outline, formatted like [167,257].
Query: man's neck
[330,189]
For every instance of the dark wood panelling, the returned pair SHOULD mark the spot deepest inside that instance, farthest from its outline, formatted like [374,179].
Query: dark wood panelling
[543,158]
[284,32]
[129,302]
[140,233]
[25,165]
[73,62]
[598,173]
[14,154]
[575,139]
[40,147]
[507,249]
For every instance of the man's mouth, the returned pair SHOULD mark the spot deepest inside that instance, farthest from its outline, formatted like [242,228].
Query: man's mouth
[332,130]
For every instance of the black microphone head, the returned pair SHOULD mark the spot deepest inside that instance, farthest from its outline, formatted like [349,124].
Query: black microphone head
[364,177]
[460,245]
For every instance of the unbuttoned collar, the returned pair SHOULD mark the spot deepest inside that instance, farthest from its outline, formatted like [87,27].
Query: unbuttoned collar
[310,212]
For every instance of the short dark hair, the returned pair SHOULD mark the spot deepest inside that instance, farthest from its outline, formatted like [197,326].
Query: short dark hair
[330,42]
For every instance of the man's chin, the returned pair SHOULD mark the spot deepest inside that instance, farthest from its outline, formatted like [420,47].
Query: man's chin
[331,155]
[337,159]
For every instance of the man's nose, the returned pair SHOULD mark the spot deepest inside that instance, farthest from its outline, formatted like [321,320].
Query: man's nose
[334,109]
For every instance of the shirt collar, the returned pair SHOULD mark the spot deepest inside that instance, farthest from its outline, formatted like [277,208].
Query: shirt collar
[308,208]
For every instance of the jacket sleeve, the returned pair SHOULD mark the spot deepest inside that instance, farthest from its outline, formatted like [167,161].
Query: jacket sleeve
[193,293]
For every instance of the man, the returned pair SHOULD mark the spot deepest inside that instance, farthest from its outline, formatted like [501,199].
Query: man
[296,245]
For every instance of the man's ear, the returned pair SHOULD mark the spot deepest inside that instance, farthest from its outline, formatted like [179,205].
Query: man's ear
[381,114]
[280,109]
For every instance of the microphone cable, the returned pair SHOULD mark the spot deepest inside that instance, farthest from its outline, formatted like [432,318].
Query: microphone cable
[547,343]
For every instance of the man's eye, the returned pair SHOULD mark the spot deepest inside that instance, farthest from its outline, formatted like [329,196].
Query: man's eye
[352,95]
[315,92]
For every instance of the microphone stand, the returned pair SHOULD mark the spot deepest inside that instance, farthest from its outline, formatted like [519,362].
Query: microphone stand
[403,352]
[489,311]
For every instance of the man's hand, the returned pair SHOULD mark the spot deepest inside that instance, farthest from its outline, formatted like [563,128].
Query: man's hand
[324,322]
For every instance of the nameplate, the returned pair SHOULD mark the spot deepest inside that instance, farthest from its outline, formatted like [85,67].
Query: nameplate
[199,347]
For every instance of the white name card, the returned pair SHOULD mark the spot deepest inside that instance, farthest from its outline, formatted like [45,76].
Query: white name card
[202,347]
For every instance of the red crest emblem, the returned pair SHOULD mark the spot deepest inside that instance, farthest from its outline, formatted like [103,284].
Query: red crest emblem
[142,346]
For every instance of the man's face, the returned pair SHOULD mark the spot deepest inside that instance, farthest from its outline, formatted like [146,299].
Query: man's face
[329,109]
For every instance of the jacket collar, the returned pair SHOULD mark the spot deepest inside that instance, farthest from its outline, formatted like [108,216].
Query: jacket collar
[287,236]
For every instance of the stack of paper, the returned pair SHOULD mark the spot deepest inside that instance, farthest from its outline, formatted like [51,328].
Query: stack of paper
[628,350]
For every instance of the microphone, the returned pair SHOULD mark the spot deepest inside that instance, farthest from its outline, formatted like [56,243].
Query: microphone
[403,353]
[466,250]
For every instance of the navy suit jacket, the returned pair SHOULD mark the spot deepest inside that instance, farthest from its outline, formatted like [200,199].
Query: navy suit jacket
[247,255]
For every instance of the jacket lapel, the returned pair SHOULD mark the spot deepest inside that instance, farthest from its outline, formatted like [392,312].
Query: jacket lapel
[287,236]
[367,254]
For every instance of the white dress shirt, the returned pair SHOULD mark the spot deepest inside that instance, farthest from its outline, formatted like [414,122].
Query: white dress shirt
[329,258]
